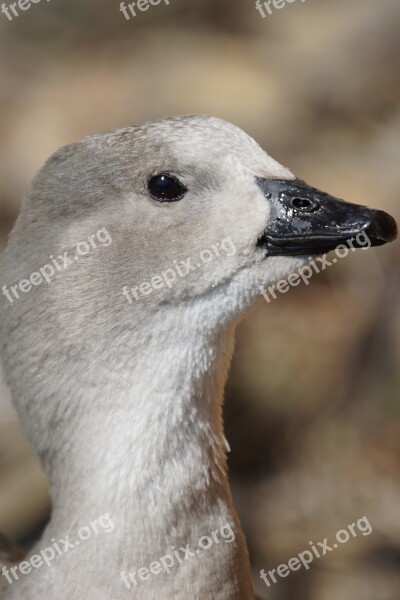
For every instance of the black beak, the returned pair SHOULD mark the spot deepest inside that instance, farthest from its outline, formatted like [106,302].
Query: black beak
[305,220]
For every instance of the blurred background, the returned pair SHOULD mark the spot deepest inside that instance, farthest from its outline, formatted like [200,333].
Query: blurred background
[312,407]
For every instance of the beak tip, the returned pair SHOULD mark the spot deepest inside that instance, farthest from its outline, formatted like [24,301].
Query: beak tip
[382,228]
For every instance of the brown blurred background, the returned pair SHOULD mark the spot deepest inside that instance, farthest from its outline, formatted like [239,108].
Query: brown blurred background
[312,408]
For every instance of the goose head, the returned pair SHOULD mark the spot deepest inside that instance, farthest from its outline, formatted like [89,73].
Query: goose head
[192,210]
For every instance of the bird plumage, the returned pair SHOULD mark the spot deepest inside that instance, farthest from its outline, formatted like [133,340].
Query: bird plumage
[122,399]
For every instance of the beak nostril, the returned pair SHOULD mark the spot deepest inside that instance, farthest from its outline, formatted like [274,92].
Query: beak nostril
[304,204]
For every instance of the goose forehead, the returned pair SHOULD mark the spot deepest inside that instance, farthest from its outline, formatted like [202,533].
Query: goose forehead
[202,141]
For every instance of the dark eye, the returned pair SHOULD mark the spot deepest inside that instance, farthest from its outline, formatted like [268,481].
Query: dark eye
[305,204]
[165,188]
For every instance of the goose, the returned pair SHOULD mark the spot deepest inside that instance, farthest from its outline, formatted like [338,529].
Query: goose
[117,370]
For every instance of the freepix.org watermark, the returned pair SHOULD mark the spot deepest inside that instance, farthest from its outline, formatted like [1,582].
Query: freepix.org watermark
[59,547]
[269,5]
[58,264]
[141,5]
[305,558]
[176,557]
[319,264]
[13,10]
[179,268]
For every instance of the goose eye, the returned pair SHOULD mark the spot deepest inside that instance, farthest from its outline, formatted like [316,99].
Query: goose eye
[305,204]
[165,188]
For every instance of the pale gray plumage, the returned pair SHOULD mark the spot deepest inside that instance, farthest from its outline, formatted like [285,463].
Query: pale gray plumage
[122,402]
